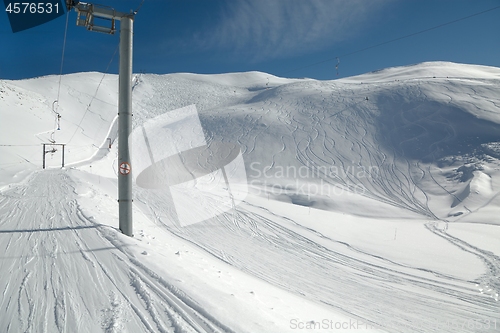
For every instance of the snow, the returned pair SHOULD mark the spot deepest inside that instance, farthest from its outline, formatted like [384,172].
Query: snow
[368,203]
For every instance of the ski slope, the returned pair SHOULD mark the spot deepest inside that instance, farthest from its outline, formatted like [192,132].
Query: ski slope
[369,204]
[48,288]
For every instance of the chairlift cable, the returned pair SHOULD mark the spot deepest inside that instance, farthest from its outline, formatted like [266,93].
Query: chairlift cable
[62,58]
[421,31]
[55,104]
[138,7]
[393,40]
[95,94]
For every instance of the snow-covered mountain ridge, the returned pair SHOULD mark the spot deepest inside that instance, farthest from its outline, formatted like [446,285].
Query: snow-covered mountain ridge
[434,113]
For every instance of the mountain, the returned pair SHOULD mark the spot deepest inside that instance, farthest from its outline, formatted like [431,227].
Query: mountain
[371,199]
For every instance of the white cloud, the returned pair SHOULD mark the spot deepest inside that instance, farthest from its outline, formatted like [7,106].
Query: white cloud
[275,28]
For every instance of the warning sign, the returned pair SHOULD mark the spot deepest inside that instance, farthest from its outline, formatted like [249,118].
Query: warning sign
[125,168]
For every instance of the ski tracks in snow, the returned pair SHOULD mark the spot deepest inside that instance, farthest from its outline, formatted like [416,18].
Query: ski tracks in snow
[489,283]
[67,273]
[370,288]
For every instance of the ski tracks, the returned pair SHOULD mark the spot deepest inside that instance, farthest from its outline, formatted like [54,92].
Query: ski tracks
[65,273]
[489,283]
[368,287]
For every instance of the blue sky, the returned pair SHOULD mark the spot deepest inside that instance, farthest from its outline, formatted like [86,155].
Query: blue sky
[282,37]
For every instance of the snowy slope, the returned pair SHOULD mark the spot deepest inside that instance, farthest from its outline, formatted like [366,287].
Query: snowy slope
[371,199]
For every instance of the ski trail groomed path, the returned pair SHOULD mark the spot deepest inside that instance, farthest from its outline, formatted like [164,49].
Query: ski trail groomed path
[69,274]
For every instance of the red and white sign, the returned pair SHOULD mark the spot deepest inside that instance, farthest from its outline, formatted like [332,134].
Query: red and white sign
[125,168]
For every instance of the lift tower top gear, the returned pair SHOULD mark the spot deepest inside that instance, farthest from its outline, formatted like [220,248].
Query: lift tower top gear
[87,15]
